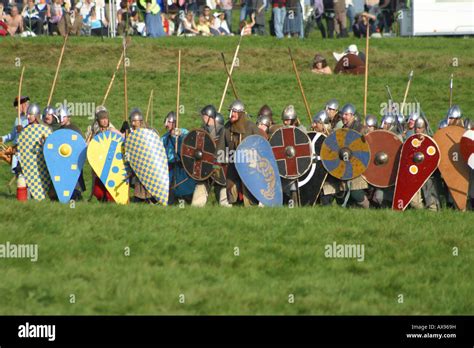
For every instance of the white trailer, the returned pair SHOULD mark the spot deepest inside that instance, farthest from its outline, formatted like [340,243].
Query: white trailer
[438,17]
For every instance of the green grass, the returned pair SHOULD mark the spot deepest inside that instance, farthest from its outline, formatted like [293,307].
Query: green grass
[191,251]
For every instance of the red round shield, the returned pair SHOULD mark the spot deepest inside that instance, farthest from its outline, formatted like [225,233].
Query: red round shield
[385,150]
[292,149]
[198,154]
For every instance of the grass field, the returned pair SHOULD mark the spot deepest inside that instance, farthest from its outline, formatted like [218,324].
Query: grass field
[185,251]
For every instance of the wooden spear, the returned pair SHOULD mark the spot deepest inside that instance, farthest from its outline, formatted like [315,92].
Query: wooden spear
[451,90]
[366,85]
[229,77]
[57,70]
[231,70]
[112,80]
[19,95]
[308,111]
[150,101]
[177,101]
[125,78]
[410,78]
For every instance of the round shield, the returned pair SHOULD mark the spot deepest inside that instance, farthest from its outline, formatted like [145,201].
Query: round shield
[345,154]
[198,154]
[292,149]
[385,150]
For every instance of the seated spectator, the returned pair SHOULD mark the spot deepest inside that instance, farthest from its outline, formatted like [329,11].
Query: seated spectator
[246,28]
[138,26]
[360,24]
[206,12]
[188,25]
[220,24]
[212,27]
[14,22]
[169,23]
[320,65]
[203,26]
[31,18]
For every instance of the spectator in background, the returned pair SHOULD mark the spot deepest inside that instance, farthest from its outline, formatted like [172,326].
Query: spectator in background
[211,4]
[212,27]
[138,26]
[316,16]
[206,12]
[245,8]
[320,65]
[14,22]
[123,19]
[220,24]
[188,25]
[226,6]
[191,6]
[246,28]
[258,8]
[3,24]
[386,16]
[293,19]
[340,17]
[362,21]
[31,19]
[329,16]
[350,12]
[372,7]
[203,26]
[279,15]
[86,7]
[169,25]
[154,26]
[98,27]
[55,14]
[76,22]
[43,8]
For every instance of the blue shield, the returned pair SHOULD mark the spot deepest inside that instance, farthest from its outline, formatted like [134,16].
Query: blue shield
[257,167]
[65,153]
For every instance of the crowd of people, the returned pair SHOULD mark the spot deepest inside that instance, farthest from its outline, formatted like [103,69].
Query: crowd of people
[228,134]
[158,18]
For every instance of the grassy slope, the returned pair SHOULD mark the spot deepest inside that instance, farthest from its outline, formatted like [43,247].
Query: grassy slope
[188,251]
